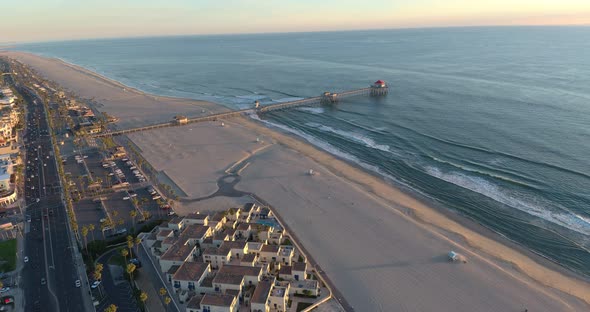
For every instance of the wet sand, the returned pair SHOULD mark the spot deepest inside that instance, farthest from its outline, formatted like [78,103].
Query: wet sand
[384,249]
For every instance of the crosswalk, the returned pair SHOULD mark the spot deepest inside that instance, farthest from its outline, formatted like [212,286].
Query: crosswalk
[92,142]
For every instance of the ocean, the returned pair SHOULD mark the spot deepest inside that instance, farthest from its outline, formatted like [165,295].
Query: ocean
[491,122]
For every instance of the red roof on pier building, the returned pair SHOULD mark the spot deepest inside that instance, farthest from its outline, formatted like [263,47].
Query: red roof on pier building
[379,82]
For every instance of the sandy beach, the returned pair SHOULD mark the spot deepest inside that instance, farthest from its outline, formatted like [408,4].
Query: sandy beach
[383,249]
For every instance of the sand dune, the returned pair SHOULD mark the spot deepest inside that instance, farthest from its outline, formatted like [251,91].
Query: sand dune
[384,249]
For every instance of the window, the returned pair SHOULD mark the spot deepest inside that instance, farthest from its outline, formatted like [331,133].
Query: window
[176,284]
[191,285]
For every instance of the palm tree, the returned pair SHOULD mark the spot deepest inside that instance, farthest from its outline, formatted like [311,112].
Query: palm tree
[130,269]
[137,241]
[91,229]
[146,215]
[167,301]
[124,253]
[130,245]
[143,297]
[111,308]
[84,234]
[133,213]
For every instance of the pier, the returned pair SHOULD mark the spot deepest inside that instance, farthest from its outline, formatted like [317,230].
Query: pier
[379,88]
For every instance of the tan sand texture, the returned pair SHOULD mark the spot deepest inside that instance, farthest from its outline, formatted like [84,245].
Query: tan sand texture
[384,250]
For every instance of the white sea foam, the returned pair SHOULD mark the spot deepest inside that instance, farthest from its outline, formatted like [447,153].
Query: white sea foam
[532,206]
[330,149]
[354,136]
[313,110]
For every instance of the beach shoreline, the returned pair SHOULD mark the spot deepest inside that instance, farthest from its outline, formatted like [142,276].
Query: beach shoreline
[510,257]
[455,216]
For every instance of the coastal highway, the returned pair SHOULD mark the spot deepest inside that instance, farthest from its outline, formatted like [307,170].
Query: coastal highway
[49,276]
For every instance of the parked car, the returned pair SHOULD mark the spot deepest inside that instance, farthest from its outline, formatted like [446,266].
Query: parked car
[136,262]
[4,289]
[78,283]
[95,284]
[26,259]
[126,198]
[7,299]
[43,281]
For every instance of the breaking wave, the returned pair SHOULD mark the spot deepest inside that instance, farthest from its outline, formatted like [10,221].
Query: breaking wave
[533,206]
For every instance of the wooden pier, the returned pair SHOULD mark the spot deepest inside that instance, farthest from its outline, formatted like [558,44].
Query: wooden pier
[379,88]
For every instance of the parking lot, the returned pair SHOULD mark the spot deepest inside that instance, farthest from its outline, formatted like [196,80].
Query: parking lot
[114,200]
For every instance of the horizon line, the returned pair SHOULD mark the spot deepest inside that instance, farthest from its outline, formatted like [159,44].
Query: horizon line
[8,45]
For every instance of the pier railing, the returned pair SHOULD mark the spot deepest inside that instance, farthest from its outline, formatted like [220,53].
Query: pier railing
[327,97]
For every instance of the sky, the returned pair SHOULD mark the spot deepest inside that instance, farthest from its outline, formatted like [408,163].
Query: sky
[46,20]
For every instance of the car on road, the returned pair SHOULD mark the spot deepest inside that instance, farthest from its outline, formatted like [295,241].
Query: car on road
[4,289]
[43,281]
[136,262]
[7,299]
[95,284]
[126,198]
[171,212]
[26,259]
[78,283]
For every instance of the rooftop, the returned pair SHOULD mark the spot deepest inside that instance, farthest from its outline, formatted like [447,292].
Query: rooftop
[278,291]
[212,251]
[218,216]
[305,284]
[285,251]
[261,292]
[194,231]
[228,278]
[243,227]
[173,269]
[194,303]
[241,270]
[285,269]
[191,271]
[177,252]
[169,240]
[270,248]
[207,282]
[249,258]
[197,216]
[248,207]
[299,266]
[176,220]
[254,246]
[228,245]
[218,300]
[220,236]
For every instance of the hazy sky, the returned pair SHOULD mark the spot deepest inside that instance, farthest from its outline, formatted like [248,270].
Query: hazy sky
[37,20]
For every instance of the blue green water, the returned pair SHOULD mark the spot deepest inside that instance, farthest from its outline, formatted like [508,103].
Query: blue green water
[493,123]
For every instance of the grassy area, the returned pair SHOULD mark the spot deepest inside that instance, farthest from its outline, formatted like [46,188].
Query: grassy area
[303,305]
[8,255]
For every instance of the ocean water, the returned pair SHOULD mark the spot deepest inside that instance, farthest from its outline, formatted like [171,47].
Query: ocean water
[493,123]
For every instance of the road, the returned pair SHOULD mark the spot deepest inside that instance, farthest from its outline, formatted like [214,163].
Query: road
[47,243]
[118,291]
